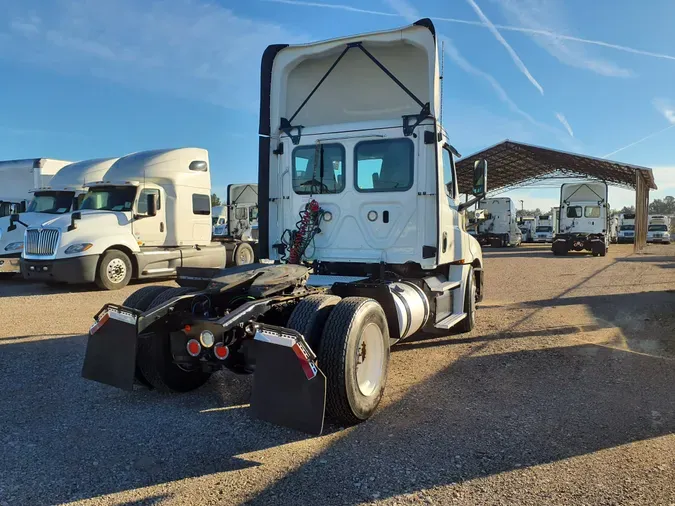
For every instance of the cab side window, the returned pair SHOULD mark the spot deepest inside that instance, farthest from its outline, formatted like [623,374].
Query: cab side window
[142,207]
[448,173]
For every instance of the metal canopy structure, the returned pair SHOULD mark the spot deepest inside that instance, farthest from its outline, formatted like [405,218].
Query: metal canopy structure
[513,165]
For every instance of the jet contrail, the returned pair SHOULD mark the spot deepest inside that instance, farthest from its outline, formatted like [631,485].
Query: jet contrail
[653,134]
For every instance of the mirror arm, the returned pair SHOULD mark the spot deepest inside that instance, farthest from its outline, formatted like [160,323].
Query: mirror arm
[471,202]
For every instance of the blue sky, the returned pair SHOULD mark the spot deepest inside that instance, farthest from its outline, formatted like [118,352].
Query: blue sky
[85,79]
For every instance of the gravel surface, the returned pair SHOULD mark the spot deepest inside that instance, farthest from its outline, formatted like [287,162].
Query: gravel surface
[563,394]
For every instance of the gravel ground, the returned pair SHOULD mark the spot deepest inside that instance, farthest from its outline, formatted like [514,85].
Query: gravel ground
[563,394]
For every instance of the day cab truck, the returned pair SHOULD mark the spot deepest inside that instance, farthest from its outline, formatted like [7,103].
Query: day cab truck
[527,226]
[239,232]
[149,215]
[658,229]
[584,219]
[544,229]
[499,227]
[360,213]
[626,229]
[63,195]
[19,177]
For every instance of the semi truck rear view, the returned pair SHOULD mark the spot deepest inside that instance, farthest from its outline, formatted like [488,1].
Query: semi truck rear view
[360,210]
[499,227]
[584,219]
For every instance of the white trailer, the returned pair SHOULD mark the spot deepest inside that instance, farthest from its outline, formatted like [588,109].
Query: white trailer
[150,215]
[63,195]
[527,226]
[584,219]
[369,197]
[499,227]
[544,228]
[19,177]
[626,228]
[658,230]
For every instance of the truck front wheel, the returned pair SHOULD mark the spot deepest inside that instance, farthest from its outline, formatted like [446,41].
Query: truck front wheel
[243,254]
[114,270]
[354,355]
[155,361]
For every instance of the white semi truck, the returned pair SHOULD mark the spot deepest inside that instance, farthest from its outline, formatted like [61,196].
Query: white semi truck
[150,215]
[368,196]
[626,228]
[63,195]
[19,177]
[584,219]
[499,227]
[527,226]
[544,228]
[658,230]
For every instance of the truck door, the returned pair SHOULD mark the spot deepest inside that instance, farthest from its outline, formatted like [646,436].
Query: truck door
[149,230]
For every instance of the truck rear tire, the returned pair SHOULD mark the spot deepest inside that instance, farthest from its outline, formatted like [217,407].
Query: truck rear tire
[156,363]
[244,254]
[354,355]
[310,315]
[114,270]
[468,323]
[141,300]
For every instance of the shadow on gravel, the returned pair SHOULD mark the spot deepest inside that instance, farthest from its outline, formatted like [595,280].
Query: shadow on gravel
[64,438]
[19,287]
[650,258]
[490,414]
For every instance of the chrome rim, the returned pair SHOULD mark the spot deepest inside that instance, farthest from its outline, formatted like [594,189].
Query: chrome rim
[370,359]
[116,270]
[245,256]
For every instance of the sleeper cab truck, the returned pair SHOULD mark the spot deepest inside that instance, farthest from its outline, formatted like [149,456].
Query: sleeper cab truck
[149,215]
[584,219]
[658,230]
[626,232]
[64,194]
[544,229]
[499,227]
[19,177]
[359,210]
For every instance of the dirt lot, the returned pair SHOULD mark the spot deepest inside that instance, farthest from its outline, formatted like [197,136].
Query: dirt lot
[564,394]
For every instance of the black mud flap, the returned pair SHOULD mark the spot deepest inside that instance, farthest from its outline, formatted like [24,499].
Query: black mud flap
[111,350]
[288,388]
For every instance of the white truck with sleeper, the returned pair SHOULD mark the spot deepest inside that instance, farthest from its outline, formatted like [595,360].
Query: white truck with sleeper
[149,215]
[658,230]
[359,210]
[63,195]
[544,229]
[19,177]
[584,219]
[626,229]
[499,227]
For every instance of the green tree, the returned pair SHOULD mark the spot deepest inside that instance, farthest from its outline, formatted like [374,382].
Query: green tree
[215,200]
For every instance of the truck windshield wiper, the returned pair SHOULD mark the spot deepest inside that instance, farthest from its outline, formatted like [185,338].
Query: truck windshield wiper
[316,183]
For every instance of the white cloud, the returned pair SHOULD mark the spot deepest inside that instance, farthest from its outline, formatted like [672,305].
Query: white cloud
[565,123]
[666,107]
[188,48]
[514,56]
[546,16]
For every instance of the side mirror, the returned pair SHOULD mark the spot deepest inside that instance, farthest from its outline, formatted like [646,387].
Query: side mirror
[479,177]
[152,204]
[13,218]
[73,218]
[75,205]
[199,166]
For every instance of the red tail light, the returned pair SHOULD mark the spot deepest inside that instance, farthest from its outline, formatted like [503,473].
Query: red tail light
[194,348]
[221,351]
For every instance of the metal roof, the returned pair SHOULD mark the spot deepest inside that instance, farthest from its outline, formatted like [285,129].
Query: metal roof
[514,164]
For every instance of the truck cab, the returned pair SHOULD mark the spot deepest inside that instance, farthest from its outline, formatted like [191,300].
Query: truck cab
[544,229]
[219,221]
[499,227]
[626,233]
[584,219]
[150,214]
[19,178]
[658,229]
[63,195]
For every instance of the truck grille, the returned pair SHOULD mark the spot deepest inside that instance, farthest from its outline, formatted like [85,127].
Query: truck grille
[41,242]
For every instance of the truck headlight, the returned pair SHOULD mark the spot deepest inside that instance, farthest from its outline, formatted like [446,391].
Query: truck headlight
[78,248]
[14,246]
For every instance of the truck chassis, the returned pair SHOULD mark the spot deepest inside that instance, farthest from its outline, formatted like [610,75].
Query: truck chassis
[566,242]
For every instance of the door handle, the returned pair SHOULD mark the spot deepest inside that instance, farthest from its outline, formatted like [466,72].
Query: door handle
[445,241]
[161,226]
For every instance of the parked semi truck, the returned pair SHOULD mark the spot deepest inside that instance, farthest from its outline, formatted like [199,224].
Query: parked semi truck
[63,195]
[369,195]
[527,226]
[658,230]
[584,219]
[241,237]
[626,229]
[150,215]
[19,177]
[499,226]
[544,228]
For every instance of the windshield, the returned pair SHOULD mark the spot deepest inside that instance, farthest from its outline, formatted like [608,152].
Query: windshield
[627,227]
[544,229]
[657,228]
[110,198]
[51,202]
